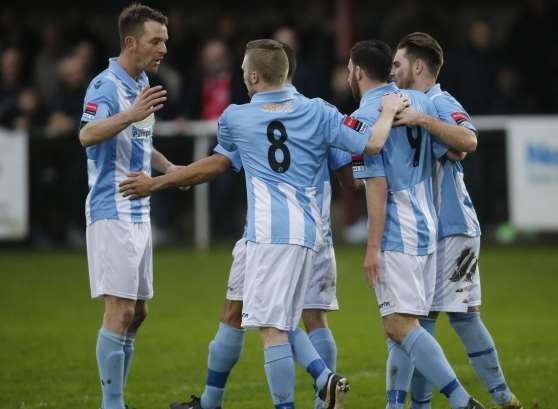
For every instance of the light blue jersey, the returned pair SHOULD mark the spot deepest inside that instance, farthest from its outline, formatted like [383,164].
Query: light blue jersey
[406,163]
[456,214]
[111,92]
[283,141]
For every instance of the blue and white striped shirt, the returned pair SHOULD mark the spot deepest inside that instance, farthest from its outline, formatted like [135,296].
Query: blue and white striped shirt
[456,214]
[108,162]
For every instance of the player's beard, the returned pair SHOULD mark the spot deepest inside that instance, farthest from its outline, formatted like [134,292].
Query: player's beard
[407,81]
[353,84]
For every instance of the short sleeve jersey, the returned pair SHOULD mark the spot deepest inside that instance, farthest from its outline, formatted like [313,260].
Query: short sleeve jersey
[111,92]
[456,213]
[406,163]
[283,142]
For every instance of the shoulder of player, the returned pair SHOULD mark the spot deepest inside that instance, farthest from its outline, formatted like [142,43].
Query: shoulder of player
[102,84]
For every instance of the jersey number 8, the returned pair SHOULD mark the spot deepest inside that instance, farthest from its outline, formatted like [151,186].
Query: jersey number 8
[278,144]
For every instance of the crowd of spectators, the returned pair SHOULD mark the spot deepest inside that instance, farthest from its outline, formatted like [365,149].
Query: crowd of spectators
[499,59]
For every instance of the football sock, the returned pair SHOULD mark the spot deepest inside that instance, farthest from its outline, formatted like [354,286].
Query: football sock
[308,357]
[421,389]
[110,360]
[399,370]
[224,352]
[428,357]
[482,353]
[280,372]
[128,354]
[324,343]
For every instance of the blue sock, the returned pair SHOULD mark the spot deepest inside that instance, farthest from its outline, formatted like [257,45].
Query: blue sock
[324,343]
[421,389]
[224,352]
[110,360]
[482,353]
[308,357]
[280,372]
[399,370]
[428,357]
[128,354]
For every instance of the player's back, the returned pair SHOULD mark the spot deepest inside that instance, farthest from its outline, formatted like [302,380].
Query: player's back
[283,143]
[406,163]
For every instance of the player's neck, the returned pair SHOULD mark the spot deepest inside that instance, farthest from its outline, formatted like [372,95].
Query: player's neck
[367,85]
[269,88]
[423,84]
[126,62]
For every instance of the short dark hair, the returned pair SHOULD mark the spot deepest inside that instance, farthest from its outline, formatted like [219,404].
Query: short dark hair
[132,18]
[291,56]
[424,47]
[373,56]
[268,58]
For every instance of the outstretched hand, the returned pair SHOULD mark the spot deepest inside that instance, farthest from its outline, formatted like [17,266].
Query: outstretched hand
[137,185]
[149,100]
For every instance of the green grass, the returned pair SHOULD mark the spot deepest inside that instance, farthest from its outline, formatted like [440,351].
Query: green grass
[49,324]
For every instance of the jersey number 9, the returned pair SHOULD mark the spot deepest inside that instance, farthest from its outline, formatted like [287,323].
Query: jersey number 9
[278,144]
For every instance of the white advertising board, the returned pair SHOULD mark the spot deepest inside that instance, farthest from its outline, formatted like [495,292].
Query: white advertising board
[13,185]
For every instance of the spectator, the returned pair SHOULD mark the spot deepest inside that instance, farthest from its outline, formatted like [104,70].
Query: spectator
[10,86]
[46,63]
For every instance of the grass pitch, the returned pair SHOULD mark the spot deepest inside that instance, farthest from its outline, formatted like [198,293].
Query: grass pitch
[49,325]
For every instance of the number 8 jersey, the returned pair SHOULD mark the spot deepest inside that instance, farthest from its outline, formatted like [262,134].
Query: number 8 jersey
[283,143]
[406,163]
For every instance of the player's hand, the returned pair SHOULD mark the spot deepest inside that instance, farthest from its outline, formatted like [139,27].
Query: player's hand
[456,156]
[372,266]
[137,185]
[149,100]
[407,117]
[394,102]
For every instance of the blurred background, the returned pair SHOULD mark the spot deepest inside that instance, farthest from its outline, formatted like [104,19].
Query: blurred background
[501,63]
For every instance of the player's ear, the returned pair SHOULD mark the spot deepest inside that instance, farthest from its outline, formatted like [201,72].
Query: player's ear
[254,77]
[358,72]
[129,42]
[418,66]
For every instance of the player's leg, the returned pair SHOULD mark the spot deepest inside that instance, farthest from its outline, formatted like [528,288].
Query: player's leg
[421,389]
[483,356]
[315,322]
[398,300]
[140,314]
[119,313]
[113,257]
[276,280]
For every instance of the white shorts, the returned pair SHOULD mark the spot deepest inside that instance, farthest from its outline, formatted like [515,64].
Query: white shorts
[276,280]
[235,286]
[405,283]
[321,293]
[457,274]
[120,259]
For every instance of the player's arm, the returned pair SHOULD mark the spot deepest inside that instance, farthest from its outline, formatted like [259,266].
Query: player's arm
[344,176]
[203,170]
[376,203]
[457,137]
[161,164]
[391,105]
[149,100]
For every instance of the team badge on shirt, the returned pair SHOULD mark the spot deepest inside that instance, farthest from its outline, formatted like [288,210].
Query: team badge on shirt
[90,110]
[460,117]
[356,125]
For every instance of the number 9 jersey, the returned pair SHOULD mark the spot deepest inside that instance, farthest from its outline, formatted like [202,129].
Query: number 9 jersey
[283,142]
[406,163]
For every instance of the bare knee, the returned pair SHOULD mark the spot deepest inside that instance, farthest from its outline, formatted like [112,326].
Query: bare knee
[232,313]
[273,336]
[314,319]
[119,314]
[397,326]
[140,314]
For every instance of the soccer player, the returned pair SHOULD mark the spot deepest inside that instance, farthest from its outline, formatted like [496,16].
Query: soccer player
[416,65]
[399,261]
[225,349]
[117,130]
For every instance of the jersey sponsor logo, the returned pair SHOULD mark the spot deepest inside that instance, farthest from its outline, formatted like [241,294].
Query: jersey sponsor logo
[466,266]
[358,163]
[139,133]
[355,124]
[91,108]
[460,117]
